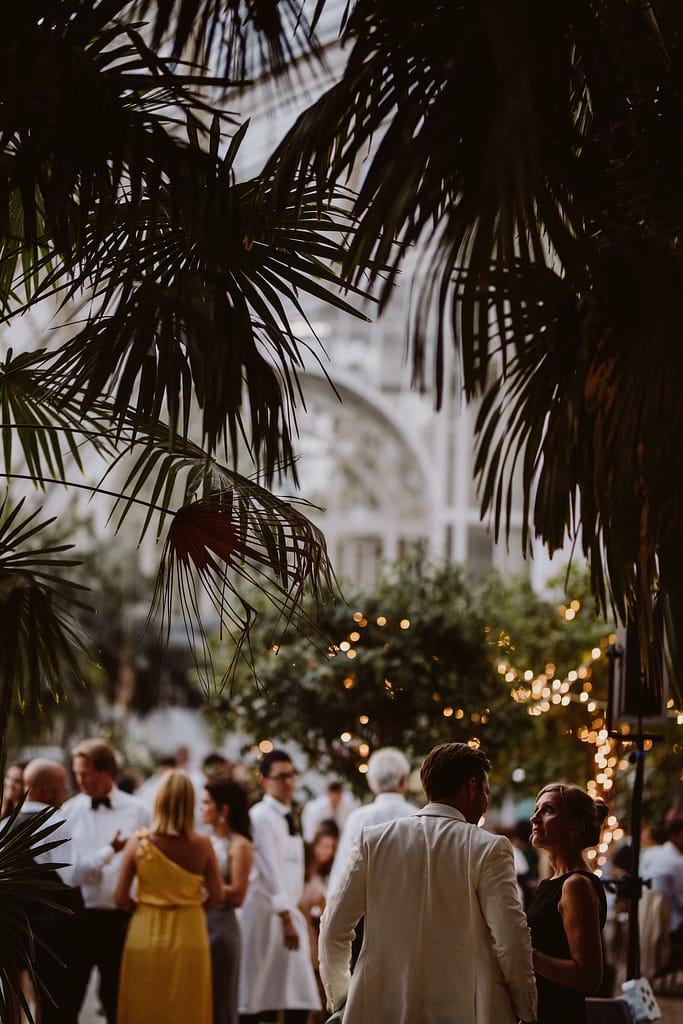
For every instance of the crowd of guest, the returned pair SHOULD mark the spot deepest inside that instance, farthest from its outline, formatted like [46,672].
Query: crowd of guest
[191,898]
[198,896]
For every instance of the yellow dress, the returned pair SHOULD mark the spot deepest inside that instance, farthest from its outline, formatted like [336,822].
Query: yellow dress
[166,967]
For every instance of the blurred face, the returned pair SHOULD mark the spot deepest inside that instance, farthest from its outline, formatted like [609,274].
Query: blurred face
[551,827]
[208,808]
[13,786]
[324,849]
[89,780]
[479,799]
[60,788]
[280,782]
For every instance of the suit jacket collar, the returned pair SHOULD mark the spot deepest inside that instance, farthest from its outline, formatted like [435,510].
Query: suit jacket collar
[282,809]
[437,810]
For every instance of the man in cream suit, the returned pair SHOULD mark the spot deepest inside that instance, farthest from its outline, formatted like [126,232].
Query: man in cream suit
[446,937]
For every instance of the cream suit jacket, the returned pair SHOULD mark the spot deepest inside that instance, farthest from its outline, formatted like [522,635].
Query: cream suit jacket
[446,939]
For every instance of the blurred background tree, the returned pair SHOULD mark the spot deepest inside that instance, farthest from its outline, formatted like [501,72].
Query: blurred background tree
[430,655]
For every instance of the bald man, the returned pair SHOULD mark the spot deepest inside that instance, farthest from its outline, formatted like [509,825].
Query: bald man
[48,786]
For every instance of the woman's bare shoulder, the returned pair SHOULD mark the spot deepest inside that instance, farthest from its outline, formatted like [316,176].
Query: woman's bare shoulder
[578,887]
[240,842]
[200,841]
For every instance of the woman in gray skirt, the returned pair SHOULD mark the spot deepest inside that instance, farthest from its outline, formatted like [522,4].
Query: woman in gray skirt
[224,808]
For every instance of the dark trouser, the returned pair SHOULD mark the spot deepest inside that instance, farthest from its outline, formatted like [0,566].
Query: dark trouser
[103,935]
[57,956]
[357,943]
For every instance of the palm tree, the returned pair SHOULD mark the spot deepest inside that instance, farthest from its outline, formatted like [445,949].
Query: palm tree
[533,150]
[119,207]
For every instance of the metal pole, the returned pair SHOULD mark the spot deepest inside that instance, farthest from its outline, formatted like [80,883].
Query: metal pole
[635,882]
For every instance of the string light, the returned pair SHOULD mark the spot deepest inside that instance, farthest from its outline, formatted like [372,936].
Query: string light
[542,692]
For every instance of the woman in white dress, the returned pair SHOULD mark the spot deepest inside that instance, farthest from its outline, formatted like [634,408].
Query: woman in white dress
[224,808]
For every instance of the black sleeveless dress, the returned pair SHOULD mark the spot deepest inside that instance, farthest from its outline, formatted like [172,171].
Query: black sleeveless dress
[557,1004]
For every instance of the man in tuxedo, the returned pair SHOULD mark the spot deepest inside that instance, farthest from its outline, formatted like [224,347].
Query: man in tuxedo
[276,972]
[100,820]
[446,937]
[57,932]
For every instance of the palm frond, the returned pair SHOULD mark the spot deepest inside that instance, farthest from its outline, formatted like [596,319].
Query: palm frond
[201,307]
[500,142]
[240,535]
[45,427]
[25,885]
[89,110]
[243,40]
[599,452]
[533,153]
[225,530]
[40,642]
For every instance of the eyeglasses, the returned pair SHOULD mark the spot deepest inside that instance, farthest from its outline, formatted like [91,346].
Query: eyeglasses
[283,776]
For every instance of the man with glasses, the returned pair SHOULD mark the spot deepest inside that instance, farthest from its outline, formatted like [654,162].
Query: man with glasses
[276,971]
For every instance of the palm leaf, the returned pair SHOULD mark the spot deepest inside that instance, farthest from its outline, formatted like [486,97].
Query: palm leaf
[181,313]
[24,886]
[236,536]
[224,528]
[44,426]
[89,110]
[40,642]
[244,40]
[532,153]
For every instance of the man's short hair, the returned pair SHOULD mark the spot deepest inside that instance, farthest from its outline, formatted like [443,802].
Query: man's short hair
[674,827]
[271,758]
[387,768]
[100,755]
[446,769]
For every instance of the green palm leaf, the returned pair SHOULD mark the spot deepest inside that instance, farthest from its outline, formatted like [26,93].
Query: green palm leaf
[532,151]
[40,642]
[225,530]
[244,40]
[89,111]
[35,416]
[24,886]
[201,307]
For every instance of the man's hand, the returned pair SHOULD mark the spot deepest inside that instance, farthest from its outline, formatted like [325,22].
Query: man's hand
[290,936]
[117,843]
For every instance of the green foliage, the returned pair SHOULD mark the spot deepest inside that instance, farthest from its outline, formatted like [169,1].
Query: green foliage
[417,661]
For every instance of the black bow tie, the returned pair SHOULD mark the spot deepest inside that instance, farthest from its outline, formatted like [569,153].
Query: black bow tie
[100,801]
[291,824]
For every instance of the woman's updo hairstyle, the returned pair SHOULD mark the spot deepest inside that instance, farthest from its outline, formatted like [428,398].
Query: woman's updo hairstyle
[581,808]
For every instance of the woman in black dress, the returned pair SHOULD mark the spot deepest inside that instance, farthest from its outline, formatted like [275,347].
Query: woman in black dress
[567,912]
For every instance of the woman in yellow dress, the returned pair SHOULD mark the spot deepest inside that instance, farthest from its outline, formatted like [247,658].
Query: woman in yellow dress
[166,967]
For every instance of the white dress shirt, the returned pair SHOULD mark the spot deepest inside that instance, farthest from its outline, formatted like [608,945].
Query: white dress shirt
[385,807]
[664,865]
[62,854]
[95,865]
[278,869]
